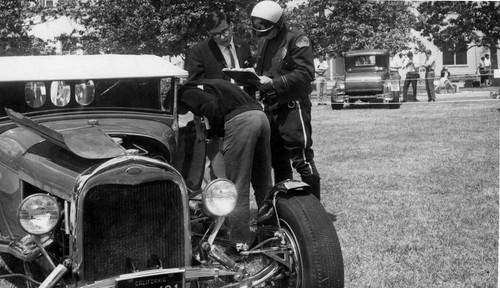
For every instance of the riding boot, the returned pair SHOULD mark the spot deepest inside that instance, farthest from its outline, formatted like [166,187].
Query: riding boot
[313,181]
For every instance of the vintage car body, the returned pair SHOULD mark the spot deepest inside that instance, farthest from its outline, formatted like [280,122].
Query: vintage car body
[71,153]
[101,186]
[366,80]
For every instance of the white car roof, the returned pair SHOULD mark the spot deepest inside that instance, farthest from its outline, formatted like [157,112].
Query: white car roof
[79,67]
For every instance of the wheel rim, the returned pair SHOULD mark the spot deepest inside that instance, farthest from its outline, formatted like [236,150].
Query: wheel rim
[295,278]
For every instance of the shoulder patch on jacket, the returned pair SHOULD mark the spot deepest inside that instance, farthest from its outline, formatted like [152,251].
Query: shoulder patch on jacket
[302,41]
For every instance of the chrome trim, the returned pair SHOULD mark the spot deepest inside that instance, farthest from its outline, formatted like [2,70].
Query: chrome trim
[153,170]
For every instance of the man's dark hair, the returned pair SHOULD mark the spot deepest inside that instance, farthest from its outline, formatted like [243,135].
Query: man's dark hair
[215,18]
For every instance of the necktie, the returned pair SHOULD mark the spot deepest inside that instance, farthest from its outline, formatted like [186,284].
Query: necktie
[231,64]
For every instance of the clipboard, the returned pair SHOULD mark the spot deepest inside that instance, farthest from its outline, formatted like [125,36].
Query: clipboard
[241,76]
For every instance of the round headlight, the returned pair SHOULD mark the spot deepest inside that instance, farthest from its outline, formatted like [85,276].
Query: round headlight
[219,197]
[38,214]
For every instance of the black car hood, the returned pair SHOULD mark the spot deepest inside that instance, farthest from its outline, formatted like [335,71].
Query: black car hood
[86,142]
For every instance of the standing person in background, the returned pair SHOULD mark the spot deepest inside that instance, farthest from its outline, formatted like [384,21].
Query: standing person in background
[321,85]
[482,71]
[429,65]
[395,64]
[206,61]
[285,64]
[411,78]
[487,67]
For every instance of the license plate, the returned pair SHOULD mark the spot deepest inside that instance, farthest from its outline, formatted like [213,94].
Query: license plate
[394,87]
[167,280]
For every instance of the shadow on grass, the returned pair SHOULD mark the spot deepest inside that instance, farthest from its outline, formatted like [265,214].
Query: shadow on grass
[367,106]
[332,216]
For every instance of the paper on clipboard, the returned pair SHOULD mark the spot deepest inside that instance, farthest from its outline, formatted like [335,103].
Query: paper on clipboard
[241,76]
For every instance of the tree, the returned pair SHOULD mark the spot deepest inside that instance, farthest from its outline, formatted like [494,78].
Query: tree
[449,24]
[15,18]
[182,25]
[340,26]
[158,27]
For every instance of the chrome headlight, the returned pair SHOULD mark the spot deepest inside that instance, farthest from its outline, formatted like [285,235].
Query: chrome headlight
[219,197]
[38,214]
[338,90]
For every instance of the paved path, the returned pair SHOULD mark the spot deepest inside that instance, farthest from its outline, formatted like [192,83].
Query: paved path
[465,94]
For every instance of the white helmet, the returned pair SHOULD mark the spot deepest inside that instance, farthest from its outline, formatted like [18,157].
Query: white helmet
[265,15]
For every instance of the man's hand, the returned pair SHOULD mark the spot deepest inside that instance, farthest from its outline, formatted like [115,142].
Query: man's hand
[264,84]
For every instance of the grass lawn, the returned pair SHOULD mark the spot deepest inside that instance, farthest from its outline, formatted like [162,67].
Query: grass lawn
[415,192]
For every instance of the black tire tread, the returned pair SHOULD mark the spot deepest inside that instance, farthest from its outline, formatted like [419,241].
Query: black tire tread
[325,249]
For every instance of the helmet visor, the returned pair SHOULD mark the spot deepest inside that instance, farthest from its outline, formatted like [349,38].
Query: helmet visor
[262,25]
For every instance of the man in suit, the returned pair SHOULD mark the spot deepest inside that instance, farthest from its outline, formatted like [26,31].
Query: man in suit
[206,60]
[222,50]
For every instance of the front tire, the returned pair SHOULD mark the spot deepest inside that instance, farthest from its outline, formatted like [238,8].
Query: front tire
[309,231]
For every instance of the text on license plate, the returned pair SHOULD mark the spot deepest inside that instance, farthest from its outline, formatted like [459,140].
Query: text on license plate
[173,280]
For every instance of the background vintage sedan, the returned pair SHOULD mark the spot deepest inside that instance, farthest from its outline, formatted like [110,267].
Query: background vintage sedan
[367,80]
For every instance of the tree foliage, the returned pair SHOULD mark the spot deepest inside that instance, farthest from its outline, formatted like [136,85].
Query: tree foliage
[15,16]
[170,27]
[158,27]
[451,24]
[340,26]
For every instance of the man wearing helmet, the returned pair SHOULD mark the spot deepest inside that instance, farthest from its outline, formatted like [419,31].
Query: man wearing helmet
[285,64]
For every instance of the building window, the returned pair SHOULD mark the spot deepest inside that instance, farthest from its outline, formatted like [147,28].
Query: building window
[457,57]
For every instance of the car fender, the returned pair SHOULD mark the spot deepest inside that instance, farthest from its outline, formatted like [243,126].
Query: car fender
[288,187]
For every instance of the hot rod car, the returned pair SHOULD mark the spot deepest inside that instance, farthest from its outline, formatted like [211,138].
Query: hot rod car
[101,185]
[367,79]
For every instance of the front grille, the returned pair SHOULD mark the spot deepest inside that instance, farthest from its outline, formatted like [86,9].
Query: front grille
[123,226]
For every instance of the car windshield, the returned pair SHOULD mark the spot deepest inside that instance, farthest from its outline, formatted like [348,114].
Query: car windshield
[89,94]
[366,61]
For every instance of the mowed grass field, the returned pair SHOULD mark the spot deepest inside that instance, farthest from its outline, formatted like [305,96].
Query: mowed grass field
[414,191]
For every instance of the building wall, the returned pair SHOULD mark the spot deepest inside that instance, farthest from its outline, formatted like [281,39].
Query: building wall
[473,57]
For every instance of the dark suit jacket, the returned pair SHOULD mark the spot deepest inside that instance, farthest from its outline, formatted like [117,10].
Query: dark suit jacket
[205,60]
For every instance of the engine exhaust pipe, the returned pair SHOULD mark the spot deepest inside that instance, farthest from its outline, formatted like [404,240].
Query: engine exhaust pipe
[56,275]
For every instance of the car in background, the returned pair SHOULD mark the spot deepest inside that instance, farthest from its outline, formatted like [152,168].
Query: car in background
[367,79]
[101,186]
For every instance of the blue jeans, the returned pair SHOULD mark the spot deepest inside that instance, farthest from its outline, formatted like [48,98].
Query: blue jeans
[247,157]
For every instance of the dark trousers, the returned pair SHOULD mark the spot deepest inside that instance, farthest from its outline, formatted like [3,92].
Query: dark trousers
[483,74]
[291,141]
[429,84]
[411,78]
[247,157]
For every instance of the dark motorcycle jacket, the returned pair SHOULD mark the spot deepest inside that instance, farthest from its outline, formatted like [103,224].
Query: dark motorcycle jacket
[218,101]
[292,64]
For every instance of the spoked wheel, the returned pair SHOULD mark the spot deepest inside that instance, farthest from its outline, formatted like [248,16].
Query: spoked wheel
[310,237]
